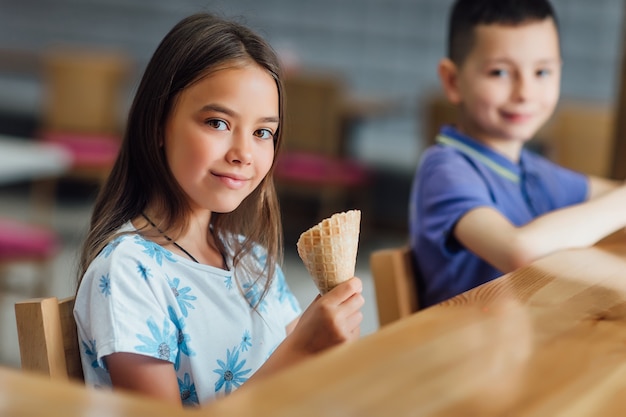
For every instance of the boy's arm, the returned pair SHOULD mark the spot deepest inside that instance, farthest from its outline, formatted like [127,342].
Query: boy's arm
[492,237]
[599,186]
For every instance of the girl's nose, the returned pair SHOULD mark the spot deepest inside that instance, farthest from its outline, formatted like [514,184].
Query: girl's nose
[240,151]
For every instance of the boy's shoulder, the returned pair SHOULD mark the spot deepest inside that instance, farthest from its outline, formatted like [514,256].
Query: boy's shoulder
[441,154]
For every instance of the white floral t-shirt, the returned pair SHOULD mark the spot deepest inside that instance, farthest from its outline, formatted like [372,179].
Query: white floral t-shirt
[138,297]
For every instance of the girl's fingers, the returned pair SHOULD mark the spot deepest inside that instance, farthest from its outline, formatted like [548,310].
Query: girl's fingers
[344,290]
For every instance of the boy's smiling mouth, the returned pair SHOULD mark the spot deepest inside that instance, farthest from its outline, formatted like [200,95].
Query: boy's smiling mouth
[516,117]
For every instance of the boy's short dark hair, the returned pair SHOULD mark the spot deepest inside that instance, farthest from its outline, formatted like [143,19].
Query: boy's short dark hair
[467,14]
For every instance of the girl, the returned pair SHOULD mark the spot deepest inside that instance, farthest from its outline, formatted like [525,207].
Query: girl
[182,297]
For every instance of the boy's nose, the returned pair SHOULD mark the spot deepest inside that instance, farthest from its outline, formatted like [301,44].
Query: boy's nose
[522,89]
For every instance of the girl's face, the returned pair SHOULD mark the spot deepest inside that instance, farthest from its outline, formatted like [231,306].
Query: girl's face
[219,138]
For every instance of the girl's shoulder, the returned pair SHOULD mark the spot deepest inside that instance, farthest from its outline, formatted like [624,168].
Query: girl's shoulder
[126,240]
[128,246]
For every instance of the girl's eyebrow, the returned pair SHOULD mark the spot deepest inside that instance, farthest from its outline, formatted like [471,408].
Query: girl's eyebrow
[229,112]
[218,108]
[269,119]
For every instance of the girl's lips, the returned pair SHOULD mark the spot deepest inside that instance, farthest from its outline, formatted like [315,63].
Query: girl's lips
[231,181]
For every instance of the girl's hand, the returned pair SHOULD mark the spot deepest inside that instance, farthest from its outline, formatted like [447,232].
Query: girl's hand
[331,319]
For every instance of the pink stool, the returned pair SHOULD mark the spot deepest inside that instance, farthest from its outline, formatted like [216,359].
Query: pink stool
[93,155]
[333,180]
[26,243]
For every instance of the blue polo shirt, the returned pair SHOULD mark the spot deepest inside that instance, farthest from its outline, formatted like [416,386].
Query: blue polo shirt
[459,174]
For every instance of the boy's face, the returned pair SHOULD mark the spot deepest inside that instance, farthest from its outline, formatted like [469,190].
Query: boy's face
[508,85]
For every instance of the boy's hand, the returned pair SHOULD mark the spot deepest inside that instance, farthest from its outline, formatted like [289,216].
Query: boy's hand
[331,319]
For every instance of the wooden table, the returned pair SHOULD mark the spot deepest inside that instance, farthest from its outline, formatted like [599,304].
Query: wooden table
[25,160]
[25,395]
[547,340]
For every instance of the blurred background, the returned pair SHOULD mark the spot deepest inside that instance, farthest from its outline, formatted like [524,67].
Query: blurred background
[69,68]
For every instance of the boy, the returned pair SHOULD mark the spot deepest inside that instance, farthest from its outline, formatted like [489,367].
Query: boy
[481,204]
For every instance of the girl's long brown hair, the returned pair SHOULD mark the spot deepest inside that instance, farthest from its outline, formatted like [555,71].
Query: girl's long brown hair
[195,47]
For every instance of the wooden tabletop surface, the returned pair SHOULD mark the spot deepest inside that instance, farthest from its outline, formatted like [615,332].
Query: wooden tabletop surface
[24,394]
[546,340]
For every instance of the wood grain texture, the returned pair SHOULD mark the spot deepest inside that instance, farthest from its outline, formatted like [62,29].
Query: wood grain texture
[394,283]
[26,394]
[47,337]
[546,340]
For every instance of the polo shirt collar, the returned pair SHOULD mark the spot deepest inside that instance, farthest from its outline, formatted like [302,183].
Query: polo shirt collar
[499,164]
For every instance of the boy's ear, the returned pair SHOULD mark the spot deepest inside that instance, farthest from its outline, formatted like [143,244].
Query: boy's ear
[448,74]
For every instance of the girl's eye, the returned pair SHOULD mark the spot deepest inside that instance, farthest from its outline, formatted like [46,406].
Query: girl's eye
[217,124]
[264,134]
[498,72]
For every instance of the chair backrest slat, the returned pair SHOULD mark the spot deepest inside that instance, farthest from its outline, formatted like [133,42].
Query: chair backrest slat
[395,283]
[47,337]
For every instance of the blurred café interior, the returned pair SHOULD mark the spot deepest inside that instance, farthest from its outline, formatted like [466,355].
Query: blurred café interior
[360,73]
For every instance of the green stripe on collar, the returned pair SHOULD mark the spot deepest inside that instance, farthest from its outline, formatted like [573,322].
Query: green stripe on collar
[494,166]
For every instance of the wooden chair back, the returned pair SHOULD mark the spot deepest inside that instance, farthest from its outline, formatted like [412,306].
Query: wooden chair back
[313,114]
[312,166]
[47,337]
[84,90]
[82,108]
[395,283]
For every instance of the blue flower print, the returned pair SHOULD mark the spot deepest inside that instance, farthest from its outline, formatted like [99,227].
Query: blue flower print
[246,341]
[230,372]
[163,343]
[253,295]
[144,271]
[187,389]
[182,338]
[110,247]
[182,295]
[154,251]
[105,285]
[90,350]
[228,282]
[284,294]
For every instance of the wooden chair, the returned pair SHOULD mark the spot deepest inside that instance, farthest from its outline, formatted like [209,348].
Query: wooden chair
[82,107]
[47,337]
[394,281]
[313,161]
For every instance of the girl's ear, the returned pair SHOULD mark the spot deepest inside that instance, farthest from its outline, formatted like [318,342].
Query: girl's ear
[448,74]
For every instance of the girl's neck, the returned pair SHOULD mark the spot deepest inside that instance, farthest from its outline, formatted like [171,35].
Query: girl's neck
[195,242]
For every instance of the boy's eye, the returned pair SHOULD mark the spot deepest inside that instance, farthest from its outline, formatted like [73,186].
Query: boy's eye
[264,134]
[217,124]
[543,72]
[498,72]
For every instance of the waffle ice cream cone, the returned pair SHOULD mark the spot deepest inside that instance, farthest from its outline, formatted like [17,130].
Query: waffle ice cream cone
[329,249]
